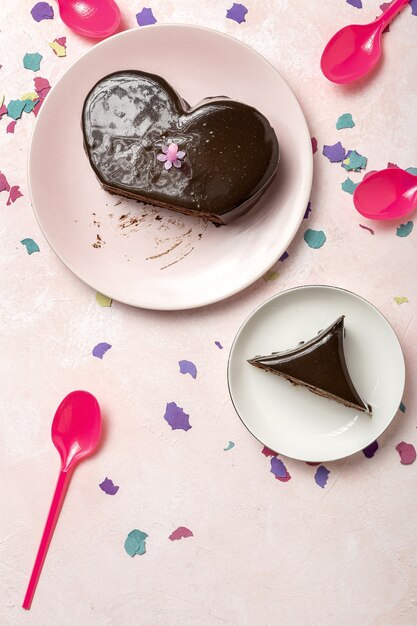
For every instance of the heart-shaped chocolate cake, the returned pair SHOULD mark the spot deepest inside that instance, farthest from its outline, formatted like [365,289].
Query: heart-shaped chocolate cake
[213,160]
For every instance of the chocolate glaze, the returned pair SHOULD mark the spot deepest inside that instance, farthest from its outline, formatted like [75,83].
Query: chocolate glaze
[318,364]
[231,150]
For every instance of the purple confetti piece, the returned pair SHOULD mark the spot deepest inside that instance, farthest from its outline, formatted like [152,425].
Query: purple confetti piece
[145,17]
[370,450]
[109,487]
[367,228]
[100,349]
[237,13]
[176,417]
[321,476]
[42,11]
[180,533]
[219,345]
[188,367]
[355,3]
[413,4]
[407,453]
[385,5]
[14,194]
[279,470]
[284,256]
[268,452]
[335,153]
[308,210]
[314,145]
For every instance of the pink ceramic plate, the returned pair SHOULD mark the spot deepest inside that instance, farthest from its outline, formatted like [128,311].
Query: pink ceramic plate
[151,257]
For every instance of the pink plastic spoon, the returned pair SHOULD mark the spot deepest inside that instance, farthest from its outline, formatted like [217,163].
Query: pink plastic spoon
[386,195]
[75,433]
[91,18]
[354,50]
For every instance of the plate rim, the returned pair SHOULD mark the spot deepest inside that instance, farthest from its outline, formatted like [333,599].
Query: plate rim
[277,296]
[308,175]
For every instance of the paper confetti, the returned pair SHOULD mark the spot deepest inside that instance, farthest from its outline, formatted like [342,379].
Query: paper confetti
[100,349]
[314,238]
[229,446]
[314,145]
[402,407]
[42,11]
[367,228]
[31,246]
[268,452]
[176,417]
[407,453]
[145,17]
[4,185]
[14,194]
[237,13]
[413,4]
[355,3]
[354,161]
[32,61]
[412,170]
[3,110]
[345,121]
[279,470]
[405,229]
[270,276]
[284,256]
[188,367]
[335,153]
[59,46]
[135,543]
[400,299]
[219,345]
[42,86]
[102,300]
[313,463]
[370,450]
[15,109]
[180,533]
[11,126]
[308,211]
[321,476]
[349,186]
[109,487]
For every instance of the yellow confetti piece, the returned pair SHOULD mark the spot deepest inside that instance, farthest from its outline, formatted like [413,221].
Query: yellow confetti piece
[31,95]
[103,300]
[59,50]
[270,275]
[1,100]
[400,300]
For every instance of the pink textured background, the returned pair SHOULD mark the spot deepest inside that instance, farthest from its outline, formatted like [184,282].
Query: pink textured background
[263,552]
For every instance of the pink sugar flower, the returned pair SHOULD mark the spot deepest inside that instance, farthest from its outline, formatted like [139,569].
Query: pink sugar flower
[171,156]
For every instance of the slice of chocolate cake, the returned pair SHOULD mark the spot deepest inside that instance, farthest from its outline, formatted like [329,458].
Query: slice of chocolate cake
[319,365]
[213,160]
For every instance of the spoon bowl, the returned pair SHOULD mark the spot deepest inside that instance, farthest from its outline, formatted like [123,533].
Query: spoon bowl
[90,18]
[386,195]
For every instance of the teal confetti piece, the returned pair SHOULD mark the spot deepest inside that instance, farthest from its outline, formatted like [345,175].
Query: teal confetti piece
[314,238]
[15,109]
[412,170]
[405,229]
[29,105]
[229,446]
[32,61]
[135,543]
[402,407]
[354,162]
[349,186]
[345,121]
[31,246]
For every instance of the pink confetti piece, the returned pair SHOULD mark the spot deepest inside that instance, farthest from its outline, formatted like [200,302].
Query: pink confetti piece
[3,110]
[11,126]
[314,145]
[268,452]
[109,487]
[14,194]
[176,417]
[279,470]
[407,453]
[313,463]
[180,533]
[4,185]
[321,476]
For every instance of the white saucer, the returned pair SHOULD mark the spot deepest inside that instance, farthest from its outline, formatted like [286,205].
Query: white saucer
[290,419]
[155,258]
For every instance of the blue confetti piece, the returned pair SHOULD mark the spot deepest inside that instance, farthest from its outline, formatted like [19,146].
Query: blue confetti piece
[403,408]
[412,170]
[15,109]
[145,17]
[100,349]
[345,121]
[42,11]
[405,229]
[413,4]
[321,476]
[32,61]
[229,446]
[355,3]
[279,470]
[237,13]
[188,367]
[354,162]
[29,105]
[135,543]
[31,246]
[219,345]
[349,186]
[314,238]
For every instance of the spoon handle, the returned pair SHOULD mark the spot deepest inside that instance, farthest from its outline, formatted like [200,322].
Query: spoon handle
[395,7]
[56,505]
